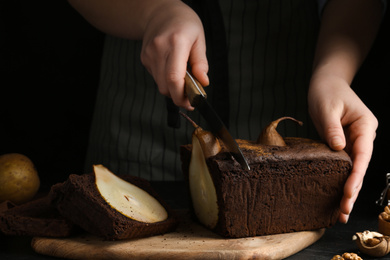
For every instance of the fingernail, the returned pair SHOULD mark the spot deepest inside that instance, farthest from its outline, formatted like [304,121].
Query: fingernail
[346,219]
[351,207]
[207,77]
[337,141]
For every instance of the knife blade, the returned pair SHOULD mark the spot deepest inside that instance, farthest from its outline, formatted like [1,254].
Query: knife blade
[198,99]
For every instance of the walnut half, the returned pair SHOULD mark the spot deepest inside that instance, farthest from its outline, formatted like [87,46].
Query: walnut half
[384,221]
[347,256]
[372,243]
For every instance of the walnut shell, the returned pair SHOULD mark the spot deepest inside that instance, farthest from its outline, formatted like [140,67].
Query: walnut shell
[383,225]
[373,243]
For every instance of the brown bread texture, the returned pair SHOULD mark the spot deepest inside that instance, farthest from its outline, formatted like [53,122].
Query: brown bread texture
[35,218]
[297,187]
[78,200]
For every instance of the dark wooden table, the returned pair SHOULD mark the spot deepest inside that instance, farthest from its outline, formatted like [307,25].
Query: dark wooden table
[336,240]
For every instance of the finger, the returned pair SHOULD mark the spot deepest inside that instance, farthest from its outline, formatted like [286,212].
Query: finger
[198,62]
[343,218]
[361,155]
[153,57]
[176,66]
[333,132]
[346,205]
[159,75]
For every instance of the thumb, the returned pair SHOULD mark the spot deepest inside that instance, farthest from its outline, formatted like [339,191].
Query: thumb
[334,134]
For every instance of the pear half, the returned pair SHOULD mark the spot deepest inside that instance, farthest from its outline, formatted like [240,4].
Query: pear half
[203,193]
[127,198]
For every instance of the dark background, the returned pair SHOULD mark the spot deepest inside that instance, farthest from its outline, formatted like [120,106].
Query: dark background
[372,84]
[49,71]
[49,60]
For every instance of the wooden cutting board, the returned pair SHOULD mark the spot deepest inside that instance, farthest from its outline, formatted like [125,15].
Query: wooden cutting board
[189,241]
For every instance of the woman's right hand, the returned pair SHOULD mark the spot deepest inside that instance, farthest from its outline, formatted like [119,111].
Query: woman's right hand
[172,37]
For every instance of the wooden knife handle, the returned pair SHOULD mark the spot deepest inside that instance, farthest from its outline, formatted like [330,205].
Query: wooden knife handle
[194,90]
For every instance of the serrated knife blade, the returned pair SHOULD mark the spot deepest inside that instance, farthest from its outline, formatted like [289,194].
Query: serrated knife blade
[198,99]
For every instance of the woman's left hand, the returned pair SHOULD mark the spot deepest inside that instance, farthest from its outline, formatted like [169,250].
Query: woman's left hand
[344,122]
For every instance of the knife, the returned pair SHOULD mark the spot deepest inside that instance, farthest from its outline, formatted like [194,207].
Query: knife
[197,97]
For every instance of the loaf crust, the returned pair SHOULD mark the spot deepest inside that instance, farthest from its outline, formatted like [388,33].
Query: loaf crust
[79,201]
[297,187]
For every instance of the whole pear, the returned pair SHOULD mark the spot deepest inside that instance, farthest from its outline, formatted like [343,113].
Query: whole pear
[19,180]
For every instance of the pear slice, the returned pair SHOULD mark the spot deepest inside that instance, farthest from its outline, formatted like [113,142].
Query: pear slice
[127,198]
[203,193]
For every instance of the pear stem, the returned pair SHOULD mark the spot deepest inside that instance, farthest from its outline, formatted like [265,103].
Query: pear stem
[189,119]
[269,135]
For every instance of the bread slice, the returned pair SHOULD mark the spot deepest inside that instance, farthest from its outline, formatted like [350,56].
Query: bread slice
[79,200]
[35,218]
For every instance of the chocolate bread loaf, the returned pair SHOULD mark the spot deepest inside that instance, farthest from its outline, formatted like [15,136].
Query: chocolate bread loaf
[289,188]
[79,200]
